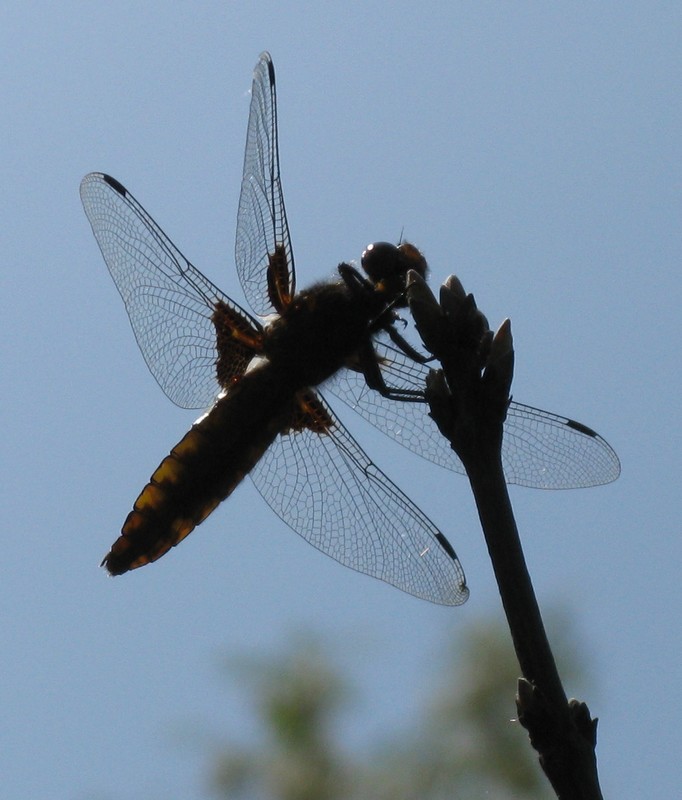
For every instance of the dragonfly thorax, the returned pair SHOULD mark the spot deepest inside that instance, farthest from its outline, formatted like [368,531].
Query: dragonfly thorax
[319,331]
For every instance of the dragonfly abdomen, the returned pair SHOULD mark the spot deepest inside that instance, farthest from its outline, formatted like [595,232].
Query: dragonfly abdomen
[204,468]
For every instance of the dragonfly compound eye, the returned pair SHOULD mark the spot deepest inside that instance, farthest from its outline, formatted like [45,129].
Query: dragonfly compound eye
[380,260]
[383,261]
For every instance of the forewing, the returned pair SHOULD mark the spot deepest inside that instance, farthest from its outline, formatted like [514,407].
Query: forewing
[539,449]
[169,302]
[548,451]
[262,229]
[324,486]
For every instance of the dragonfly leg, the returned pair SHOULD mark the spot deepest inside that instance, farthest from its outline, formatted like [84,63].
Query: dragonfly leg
[369,364]
[406,347]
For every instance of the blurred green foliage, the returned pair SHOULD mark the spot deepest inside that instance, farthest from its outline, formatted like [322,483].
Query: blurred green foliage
[465,742]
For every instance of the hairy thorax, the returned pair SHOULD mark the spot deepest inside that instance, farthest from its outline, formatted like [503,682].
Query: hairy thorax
[323,327]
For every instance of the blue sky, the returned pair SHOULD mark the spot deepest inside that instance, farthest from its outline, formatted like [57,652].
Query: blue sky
[532,149]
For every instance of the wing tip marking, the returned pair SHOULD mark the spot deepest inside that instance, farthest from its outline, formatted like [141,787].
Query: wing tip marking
[115,185]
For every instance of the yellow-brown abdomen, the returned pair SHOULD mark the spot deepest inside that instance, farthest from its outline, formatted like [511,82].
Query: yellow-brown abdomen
[202,470]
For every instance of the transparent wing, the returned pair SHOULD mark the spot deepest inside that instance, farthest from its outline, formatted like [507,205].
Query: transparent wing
[262,227]
[539,449]
[325,487]
[169,302]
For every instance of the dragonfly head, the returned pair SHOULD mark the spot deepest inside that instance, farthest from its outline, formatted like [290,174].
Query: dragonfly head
[386,265]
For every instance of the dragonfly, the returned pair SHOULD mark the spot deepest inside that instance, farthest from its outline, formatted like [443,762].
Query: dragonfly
[260,375]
